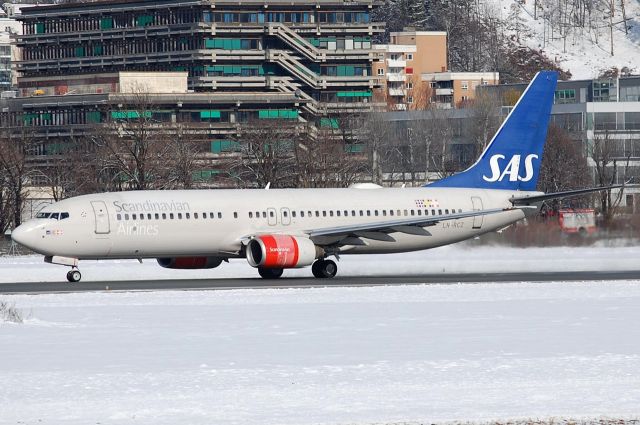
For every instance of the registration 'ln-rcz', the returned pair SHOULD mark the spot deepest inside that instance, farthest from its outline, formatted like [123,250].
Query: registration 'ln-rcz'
[291,228]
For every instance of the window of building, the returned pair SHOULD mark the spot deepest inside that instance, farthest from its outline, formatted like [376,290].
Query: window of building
[409,99]
[380,71]
[464,85]
[409,56]
[410,85]
[565,96]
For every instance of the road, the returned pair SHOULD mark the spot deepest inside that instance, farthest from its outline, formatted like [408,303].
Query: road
[222,284]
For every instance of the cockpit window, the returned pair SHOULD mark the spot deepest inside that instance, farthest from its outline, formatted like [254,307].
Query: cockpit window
[53,215]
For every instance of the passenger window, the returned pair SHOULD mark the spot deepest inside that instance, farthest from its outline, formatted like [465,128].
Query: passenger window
[171,216]
[180,216]
[368,213]
[317,213]
[353,213]
[361,213]
[302,214]
[346,213]
[219,215]
[64,215]
[195,215]
[271,214]
[426,212]
[384,213]
[324,213]
[141,216]
[257,214]
[164,216]
[126,216]
[118,217]
[376,213]
[338,213]
[391,212]
[285,214]
[413,212]
[420,212]
[405,213]
[187,215]
[293,214]
[211,215]
[250,214]
[157,216]
[439,212]
[235,214]
[433,212]
[149,216]
[264,214]
[446,211]
[460,211]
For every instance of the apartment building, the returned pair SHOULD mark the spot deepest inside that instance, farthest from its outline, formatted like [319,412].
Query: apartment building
[244,61]
[401,64]
[413,73]
[457,89]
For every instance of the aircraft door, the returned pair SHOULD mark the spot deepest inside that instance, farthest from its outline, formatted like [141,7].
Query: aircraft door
[285,216]
[101,217]
[272,218]
[477,206]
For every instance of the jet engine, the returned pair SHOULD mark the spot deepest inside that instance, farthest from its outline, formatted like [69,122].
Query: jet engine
[190,262]
[282,251]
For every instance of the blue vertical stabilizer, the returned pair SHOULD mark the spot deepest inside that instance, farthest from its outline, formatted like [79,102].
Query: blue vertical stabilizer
[513,157]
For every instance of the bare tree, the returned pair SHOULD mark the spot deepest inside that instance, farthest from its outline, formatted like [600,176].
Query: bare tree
[16,172]
[485,119]
[267,154]
[134,147]
[564,164]
[605,158]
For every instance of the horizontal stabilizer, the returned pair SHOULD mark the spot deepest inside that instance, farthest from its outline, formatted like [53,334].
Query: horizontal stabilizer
[528,200]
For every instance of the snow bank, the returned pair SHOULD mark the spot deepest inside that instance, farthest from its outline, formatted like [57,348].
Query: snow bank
[416,354]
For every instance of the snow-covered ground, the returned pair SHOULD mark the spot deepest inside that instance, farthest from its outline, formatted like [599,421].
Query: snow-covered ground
[460,258]
[584,54]
[406,354]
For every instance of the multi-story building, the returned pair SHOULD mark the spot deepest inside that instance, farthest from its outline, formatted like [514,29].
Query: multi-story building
[601,110]
[408,55]
[414,73]
[456,89]
[249,60]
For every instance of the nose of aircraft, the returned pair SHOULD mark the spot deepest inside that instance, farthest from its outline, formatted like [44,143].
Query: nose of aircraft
[23,235]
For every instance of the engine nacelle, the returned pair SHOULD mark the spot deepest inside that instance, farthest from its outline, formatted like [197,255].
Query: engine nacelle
[190,262]
[282,251]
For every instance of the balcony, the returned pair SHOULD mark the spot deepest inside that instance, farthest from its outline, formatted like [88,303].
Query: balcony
[397,92]
[444,92]
[391,63]
[394,76]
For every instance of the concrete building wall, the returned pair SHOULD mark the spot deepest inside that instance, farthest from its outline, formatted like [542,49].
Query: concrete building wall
[153,82]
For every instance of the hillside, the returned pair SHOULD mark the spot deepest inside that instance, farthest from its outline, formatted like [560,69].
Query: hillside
[577,35]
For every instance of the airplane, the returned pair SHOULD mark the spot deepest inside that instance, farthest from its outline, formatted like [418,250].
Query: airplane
[277,229]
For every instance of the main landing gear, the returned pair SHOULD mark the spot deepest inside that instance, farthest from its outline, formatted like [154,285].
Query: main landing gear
[74,275]
[266,273]
[324,269]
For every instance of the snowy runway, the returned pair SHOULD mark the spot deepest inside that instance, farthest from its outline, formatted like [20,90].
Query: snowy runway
[324,356]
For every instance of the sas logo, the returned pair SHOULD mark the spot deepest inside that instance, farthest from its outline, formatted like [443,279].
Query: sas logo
[511,169]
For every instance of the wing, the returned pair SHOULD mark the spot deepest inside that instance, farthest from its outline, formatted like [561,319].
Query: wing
[351,234]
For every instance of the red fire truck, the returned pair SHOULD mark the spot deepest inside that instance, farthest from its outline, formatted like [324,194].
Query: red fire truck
[580,221]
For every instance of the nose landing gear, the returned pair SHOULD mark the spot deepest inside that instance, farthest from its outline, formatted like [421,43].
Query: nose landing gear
[74,275]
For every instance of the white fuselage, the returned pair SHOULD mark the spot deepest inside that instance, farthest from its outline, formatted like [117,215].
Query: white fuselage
[152,224]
